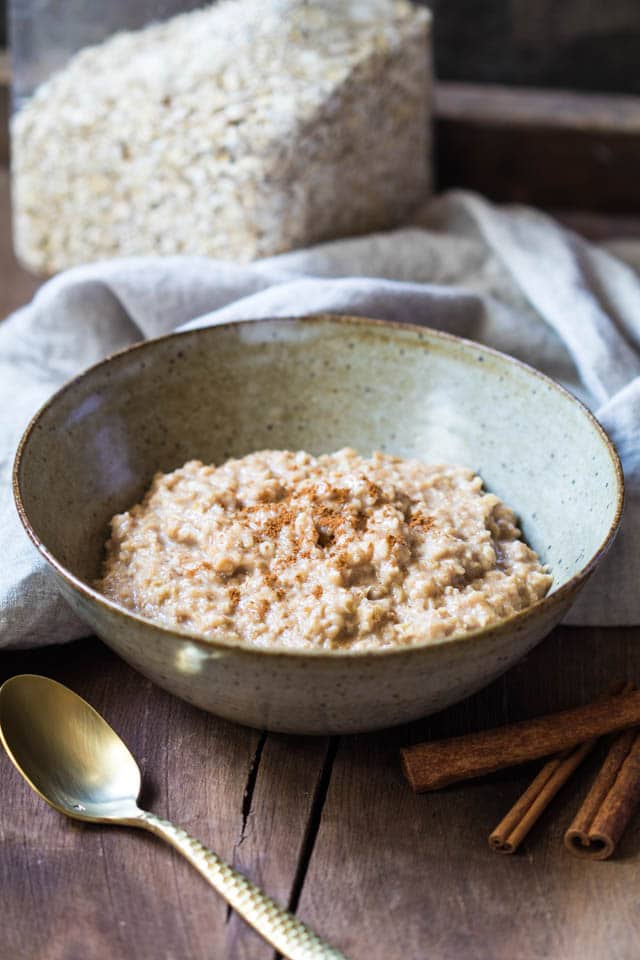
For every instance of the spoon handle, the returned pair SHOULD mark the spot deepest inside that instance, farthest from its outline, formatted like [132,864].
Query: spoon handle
[280,928]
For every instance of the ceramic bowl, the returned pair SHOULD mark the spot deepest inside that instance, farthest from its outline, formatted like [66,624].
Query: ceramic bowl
[317,384]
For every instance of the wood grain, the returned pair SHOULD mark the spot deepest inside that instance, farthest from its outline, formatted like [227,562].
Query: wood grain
[16,285]
[411,876]
[555,149]
[391,874]
[70,890]
[274,831]
[527,107]
[5,107]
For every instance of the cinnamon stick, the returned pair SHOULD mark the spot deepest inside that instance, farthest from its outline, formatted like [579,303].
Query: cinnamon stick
[516,824]
[609,805]
[513,828]
[428,766]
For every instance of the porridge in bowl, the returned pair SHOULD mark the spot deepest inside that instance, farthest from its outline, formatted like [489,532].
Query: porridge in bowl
[285,549]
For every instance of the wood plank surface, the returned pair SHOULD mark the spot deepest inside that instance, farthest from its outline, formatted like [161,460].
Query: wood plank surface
[380,872]
[555,149]
[413,877]
[16,285]
[5,106]
[71,891]
[528,107]
[284,807]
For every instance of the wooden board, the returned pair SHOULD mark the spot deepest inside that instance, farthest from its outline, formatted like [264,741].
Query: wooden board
[554,149]
[5,107]
[329,827]
[16,285]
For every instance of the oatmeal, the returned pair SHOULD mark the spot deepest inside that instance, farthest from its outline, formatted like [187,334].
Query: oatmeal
[286,549]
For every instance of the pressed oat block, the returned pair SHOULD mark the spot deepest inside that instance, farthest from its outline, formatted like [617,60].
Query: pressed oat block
[237,131]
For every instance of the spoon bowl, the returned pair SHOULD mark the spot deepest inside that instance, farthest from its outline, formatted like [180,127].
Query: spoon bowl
[66,751]
[76,762]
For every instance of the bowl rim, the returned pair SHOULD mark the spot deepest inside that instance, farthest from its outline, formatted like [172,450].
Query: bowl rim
[559,597]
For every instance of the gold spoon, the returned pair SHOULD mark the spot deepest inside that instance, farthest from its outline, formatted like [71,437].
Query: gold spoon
[70,756]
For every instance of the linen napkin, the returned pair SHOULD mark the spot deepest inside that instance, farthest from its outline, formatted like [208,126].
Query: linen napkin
[511,278]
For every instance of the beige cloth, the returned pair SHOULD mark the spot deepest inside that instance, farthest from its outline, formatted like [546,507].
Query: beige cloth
[511,278]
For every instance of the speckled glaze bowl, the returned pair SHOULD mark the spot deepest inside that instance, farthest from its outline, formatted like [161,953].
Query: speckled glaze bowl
[317,383]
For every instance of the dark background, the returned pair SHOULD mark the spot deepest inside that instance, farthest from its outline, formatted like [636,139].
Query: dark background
[577,44]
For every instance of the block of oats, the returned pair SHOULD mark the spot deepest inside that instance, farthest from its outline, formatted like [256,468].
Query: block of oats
[239,130]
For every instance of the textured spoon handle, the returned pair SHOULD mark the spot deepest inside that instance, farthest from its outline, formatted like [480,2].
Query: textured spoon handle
[279,927]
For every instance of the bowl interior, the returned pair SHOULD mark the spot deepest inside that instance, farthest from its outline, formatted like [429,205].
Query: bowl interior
[316,384]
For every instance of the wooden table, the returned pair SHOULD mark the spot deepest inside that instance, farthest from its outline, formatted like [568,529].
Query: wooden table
[327,826]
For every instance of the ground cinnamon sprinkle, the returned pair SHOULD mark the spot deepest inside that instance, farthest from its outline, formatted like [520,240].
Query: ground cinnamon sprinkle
[263,608]
[328,523]
[373,489]
[282,516]
[420,521]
